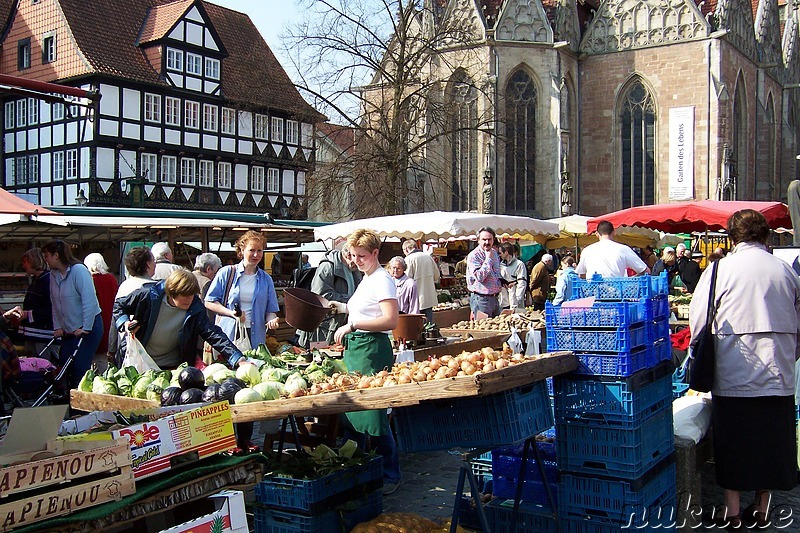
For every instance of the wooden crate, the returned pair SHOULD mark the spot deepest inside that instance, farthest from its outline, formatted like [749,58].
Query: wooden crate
[82,474]
[535,369]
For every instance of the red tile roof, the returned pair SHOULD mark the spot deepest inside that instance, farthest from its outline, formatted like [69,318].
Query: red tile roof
[341,136]
[107,32]
[161,19]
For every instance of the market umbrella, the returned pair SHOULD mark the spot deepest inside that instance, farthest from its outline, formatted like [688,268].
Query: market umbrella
[11,204]
[686,217]
[573,232]
[443,225]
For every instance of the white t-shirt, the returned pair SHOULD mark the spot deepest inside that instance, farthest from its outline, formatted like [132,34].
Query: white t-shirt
[247,288]
[373,289]
[609,259]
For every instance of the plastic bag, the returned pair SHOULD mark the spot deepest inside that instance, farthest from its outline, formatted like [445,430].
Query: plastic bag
[137,357]
[242,338]
[691,417]
[514,342]
[533,341]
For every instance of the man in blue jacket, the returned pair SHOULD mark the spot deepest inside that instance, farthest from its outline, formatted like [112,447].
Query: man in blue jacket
[168,318]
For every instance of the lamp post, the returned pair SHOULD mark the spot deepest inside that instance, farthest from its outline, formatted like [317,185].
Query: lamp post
[80,199]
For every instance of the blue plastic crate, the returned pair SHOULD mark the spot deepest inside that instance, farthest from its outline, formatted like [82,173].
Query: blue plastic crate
[533,491]
[343,518]
[304,494]
[615,289]
[610,501]
[503,456]
[610,340]
[658,307]
[622,402]
[473,422]
[620,364]
[530,518]
[662,350]
[614,451]
[599,315]
[658,330]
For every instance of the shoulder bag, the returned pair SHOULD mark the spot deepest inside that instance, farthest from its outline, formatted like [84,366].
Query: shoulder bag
[702,351]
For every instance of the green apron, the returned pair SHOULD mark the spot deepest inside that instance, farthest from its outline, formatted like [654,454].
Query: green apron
[368,353]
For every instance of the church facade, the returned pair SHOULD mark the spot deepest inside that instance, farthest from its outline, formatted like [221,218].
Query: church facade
[601,106]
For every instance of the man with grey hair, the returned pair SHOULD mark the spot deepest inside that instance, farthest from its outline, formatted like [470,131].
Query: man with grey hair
[423,270]
[540,281]
[163,256]
[205,268]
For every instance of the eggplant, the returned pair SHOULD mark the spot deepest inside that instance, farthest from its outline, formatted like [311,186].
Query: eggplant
[211,394]
[228,389]
[191,378]
[170,396]
[191,396]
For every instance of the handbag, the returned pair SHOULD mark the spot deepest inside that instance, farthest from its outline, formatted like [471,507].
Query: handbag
[242,337]
[700,370]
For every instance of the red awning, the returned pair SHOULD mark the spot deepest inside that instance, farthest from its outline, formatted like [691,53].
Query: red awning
[14,205]
[685,217]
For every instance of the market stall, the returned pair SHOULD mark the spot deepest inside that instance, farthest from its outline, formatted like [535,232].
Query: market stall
[574,232]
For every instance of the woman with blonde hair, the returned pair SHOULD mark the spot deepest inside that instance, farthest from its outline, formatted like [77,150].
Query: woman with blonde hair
[244,293]
[105,286]
[372,314]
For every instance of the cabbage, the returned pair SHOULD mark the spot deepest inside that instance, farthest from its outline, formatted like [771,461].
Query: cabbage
[247,396]
[140,387]
[294,382]
[85,384]
[317,376]
[125,386]
[222,375]
[268,390]
[210,370]
[101,385]
[276,384]
[173,380]
[275,374]
[248,372]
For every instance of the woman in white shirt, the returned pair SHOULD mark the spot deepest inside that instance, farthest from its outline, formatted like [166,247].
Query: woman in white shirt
[373,312]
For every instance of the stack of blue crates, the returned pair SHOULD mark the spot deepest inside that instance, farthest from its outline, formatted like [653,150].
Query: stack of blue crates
[614,413]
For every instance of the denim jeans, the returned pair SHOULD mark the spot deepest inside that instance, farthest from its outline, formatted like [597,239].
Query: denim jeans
[386,447]
[83,359]
[485,304]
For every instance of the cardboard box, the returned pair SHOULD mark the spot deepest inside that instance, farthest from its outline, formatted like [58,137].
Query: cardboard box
[229,516]
[159,445]
[94,419]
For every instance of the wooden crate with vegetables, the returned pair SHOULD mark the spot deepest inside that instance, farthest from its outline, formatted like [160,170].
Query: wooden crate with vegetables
[272,387]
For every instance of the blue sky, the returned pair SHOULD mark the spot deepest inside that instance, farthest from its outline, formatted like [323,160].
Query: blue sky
[270,17]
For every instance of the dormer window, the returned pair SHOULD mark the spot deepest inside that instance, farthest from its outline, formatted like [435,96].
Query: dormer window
[174,59]
[212,68]
[194,64]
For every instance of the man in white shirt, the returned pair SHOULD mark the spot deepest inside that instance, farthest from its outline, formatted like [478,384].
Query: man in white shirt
[424,271]
[608,258]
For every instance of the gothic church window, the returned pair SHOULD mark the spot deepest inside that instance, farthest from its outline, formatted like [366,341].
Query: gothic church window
[637,137]
[463,143]
[738,163]
[521,102]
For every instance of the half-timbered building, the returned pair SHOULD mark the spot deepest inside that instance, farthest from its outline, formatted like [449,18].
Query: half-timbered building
[195,112]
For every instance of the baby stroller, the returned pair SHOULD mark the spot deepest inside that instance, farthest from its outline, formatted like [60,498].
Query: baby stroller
[37,381]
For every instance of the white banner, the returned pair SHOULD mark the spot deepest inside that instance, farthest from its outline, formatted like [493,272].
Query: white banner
[681,153]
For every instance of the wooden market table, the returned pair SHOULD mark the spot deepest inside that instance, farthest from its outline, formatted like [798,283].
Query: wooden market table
[546,365]
[448,317]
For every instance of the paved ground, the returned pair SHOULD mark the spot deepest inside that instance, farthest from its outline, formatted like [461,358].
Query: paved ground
[429,486]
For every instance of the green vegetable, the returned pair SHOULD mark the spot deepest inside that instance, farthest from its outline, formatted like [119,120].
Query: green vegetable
[275,374]
[110,371]
[173,382]
[125,386]
[140,387]
[269,390]
[100,385]
[85,384]
[210,370]
[131,373]
[294,382]
[222,375]
[262,352]
[247,396]
[348,449]
[318,376]
[248,372]
[323,453]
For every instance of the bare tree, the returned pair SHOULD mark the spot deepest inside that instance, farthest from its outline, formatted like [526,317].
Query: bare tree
[387,69]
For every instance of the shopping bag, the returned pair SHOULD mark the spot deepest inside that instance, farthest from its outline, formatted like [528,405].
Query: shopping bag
[533,341]
[514,342]
[137,357]
[242,338]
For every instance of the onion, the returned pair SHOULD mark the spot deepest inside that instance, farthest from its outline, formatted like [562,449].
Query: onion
[468,368]
[452,372]
[461,373]
[435,364]
[500,363]
[420,376]
[488,367]
[445,358]
[453,363]
[403,379]
[474,357]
